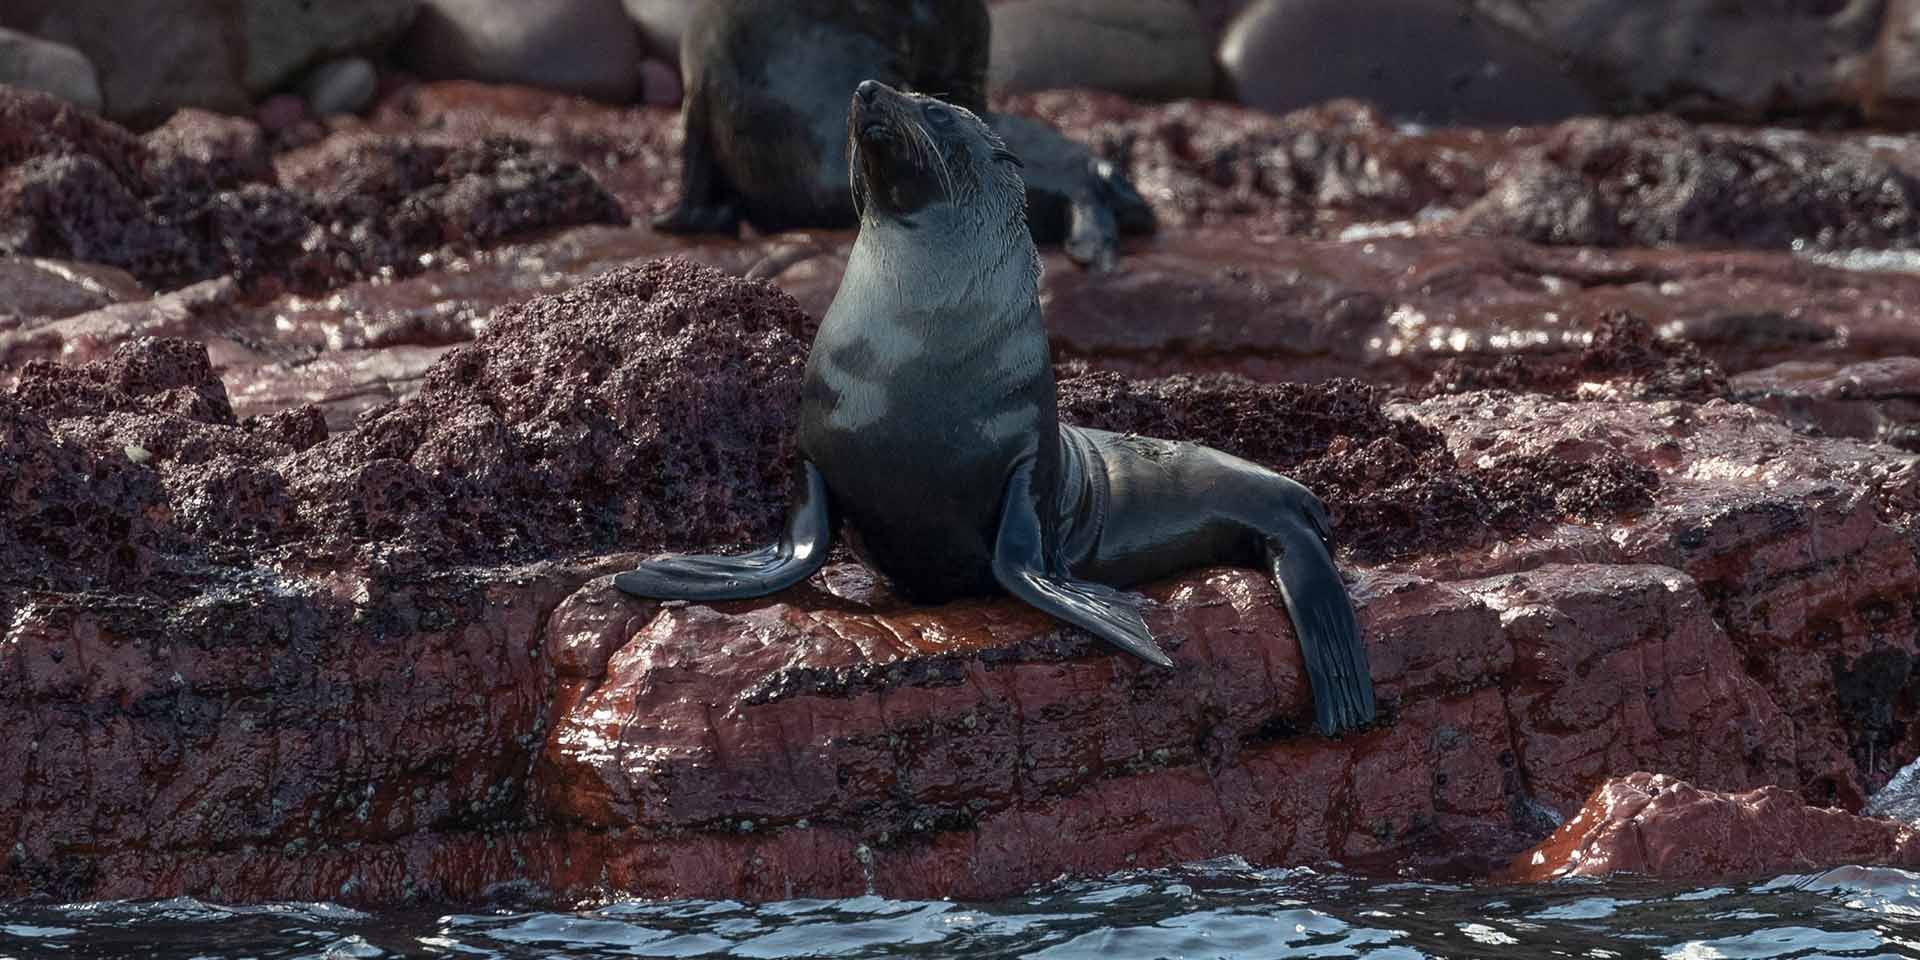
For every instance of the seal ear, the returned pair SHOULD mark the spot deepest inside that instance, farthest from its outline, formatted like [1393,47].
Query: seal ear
[1003,154]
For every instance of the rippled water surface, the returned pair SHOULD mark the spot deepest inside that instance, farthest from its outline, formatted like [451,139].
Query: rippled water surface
[1214,909]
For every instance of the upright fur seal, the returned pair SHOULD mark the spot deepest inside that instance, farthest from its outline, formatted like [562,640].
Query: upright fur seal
[766,82]
[929,429]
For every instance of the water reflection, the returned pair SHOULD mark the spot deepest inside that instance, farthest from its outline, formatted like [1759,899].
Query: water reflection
[1217,909]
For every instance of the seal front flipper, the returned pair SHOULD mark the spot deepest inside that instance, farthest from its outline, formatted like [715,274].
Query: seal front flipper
[1323,619]
[770,569]
[1020,567]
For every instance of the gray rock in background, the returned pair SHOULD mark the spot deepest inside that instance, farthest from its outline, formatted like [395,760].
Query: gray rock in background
[36,64]
[1900,798]
[340,86]
[1421,60]
[1147,49]
[1892,94]
[156,56]
[662,23]
[152,56]
[588,47]
[1708,58]
[285,37]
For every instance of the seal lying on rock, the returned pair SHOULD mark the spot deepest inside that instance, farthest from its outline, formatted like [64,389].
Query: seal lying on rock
[929,428]
[765,86]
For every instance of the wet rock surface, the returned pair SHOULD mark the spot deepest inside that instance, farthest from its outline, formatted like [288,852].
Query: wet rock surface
[1661,826]
[312,526]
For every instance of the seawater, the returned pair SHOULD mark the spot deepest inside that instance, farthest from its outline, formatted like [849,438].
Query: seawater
[1217,909]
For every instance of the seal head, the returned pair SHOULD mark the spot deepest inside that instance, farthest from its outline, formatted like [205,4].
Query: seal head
[906,152]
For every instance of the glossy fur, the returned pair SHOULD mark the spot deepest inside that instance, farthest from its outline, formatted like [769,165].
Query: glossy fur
[930,431]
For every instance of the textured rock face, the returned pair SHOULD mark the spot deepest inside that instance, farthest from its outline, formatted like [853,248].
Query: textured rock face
[559,735]
[201,197]
[328,616]
[1661,826]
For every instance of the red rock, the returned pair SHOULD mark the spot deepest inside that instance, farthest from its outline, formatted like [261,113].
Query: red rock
[1661,826]
[198,199]
[365,650]
[1871,400]
[33,291]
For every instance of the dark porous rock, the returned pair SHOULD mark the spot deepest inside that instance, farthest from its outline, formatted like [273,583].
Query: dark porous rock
[1622,358]
[1655,825]
[297,427]
[1391,482]
[155,375]
[650,407]
[196,151]
[1656,181]
[1312,171]
[585,47]
[1425,61]
[1148,49]
[201,197]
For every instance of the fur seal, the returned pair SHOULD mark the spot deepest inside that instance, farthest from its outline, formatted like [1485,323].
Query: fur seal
[930,431]
[766,82]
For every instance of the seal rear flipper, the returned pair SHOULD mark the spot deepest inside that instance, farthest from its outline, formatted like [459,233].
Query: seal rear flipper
[1019,566]
[1322,615]
[770,569]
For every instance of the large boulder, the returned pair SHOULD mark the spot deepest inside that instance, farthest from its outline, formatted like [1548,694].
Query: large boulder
[1147,49]
[585,47]
[1418,60]
[157,56]
[34,64]
[1654,825]
[286,37]
[1736,61]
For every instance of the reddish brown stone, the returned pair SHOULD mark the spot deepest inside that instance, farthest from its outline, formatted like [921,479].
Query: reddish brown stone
[1661,826]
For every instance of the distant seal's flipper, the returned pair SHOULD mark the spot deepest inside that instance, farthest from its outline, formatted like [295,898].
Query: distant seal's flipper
[770,569]
[1020,566]
[1323,619]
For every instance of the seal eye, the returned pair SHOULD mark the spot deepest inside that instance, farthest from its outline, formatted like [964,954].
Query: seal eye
[938,115]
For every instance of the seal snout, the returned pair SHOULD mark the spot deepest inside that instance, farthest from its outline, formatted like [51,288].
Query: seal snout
[872,118]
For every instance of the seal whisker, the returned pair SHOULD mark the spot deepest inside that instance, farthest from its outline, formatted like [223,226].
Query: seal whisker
[933,155]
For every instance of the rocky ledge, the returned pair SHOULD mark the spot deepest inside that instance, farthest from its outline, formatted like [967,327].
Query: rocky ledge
[311,512]
[254,659]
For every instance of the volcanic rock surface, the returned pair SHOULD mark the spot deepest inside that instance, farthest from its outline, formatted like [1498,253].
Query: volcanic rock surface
[312,509]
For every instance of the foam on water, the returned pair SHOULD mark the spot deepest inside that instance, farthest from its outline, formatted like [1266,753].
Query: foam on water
[1217,909]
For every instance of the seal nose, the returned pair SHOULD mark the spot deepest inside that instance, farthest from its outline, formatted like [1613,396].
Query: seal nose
[867,90]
